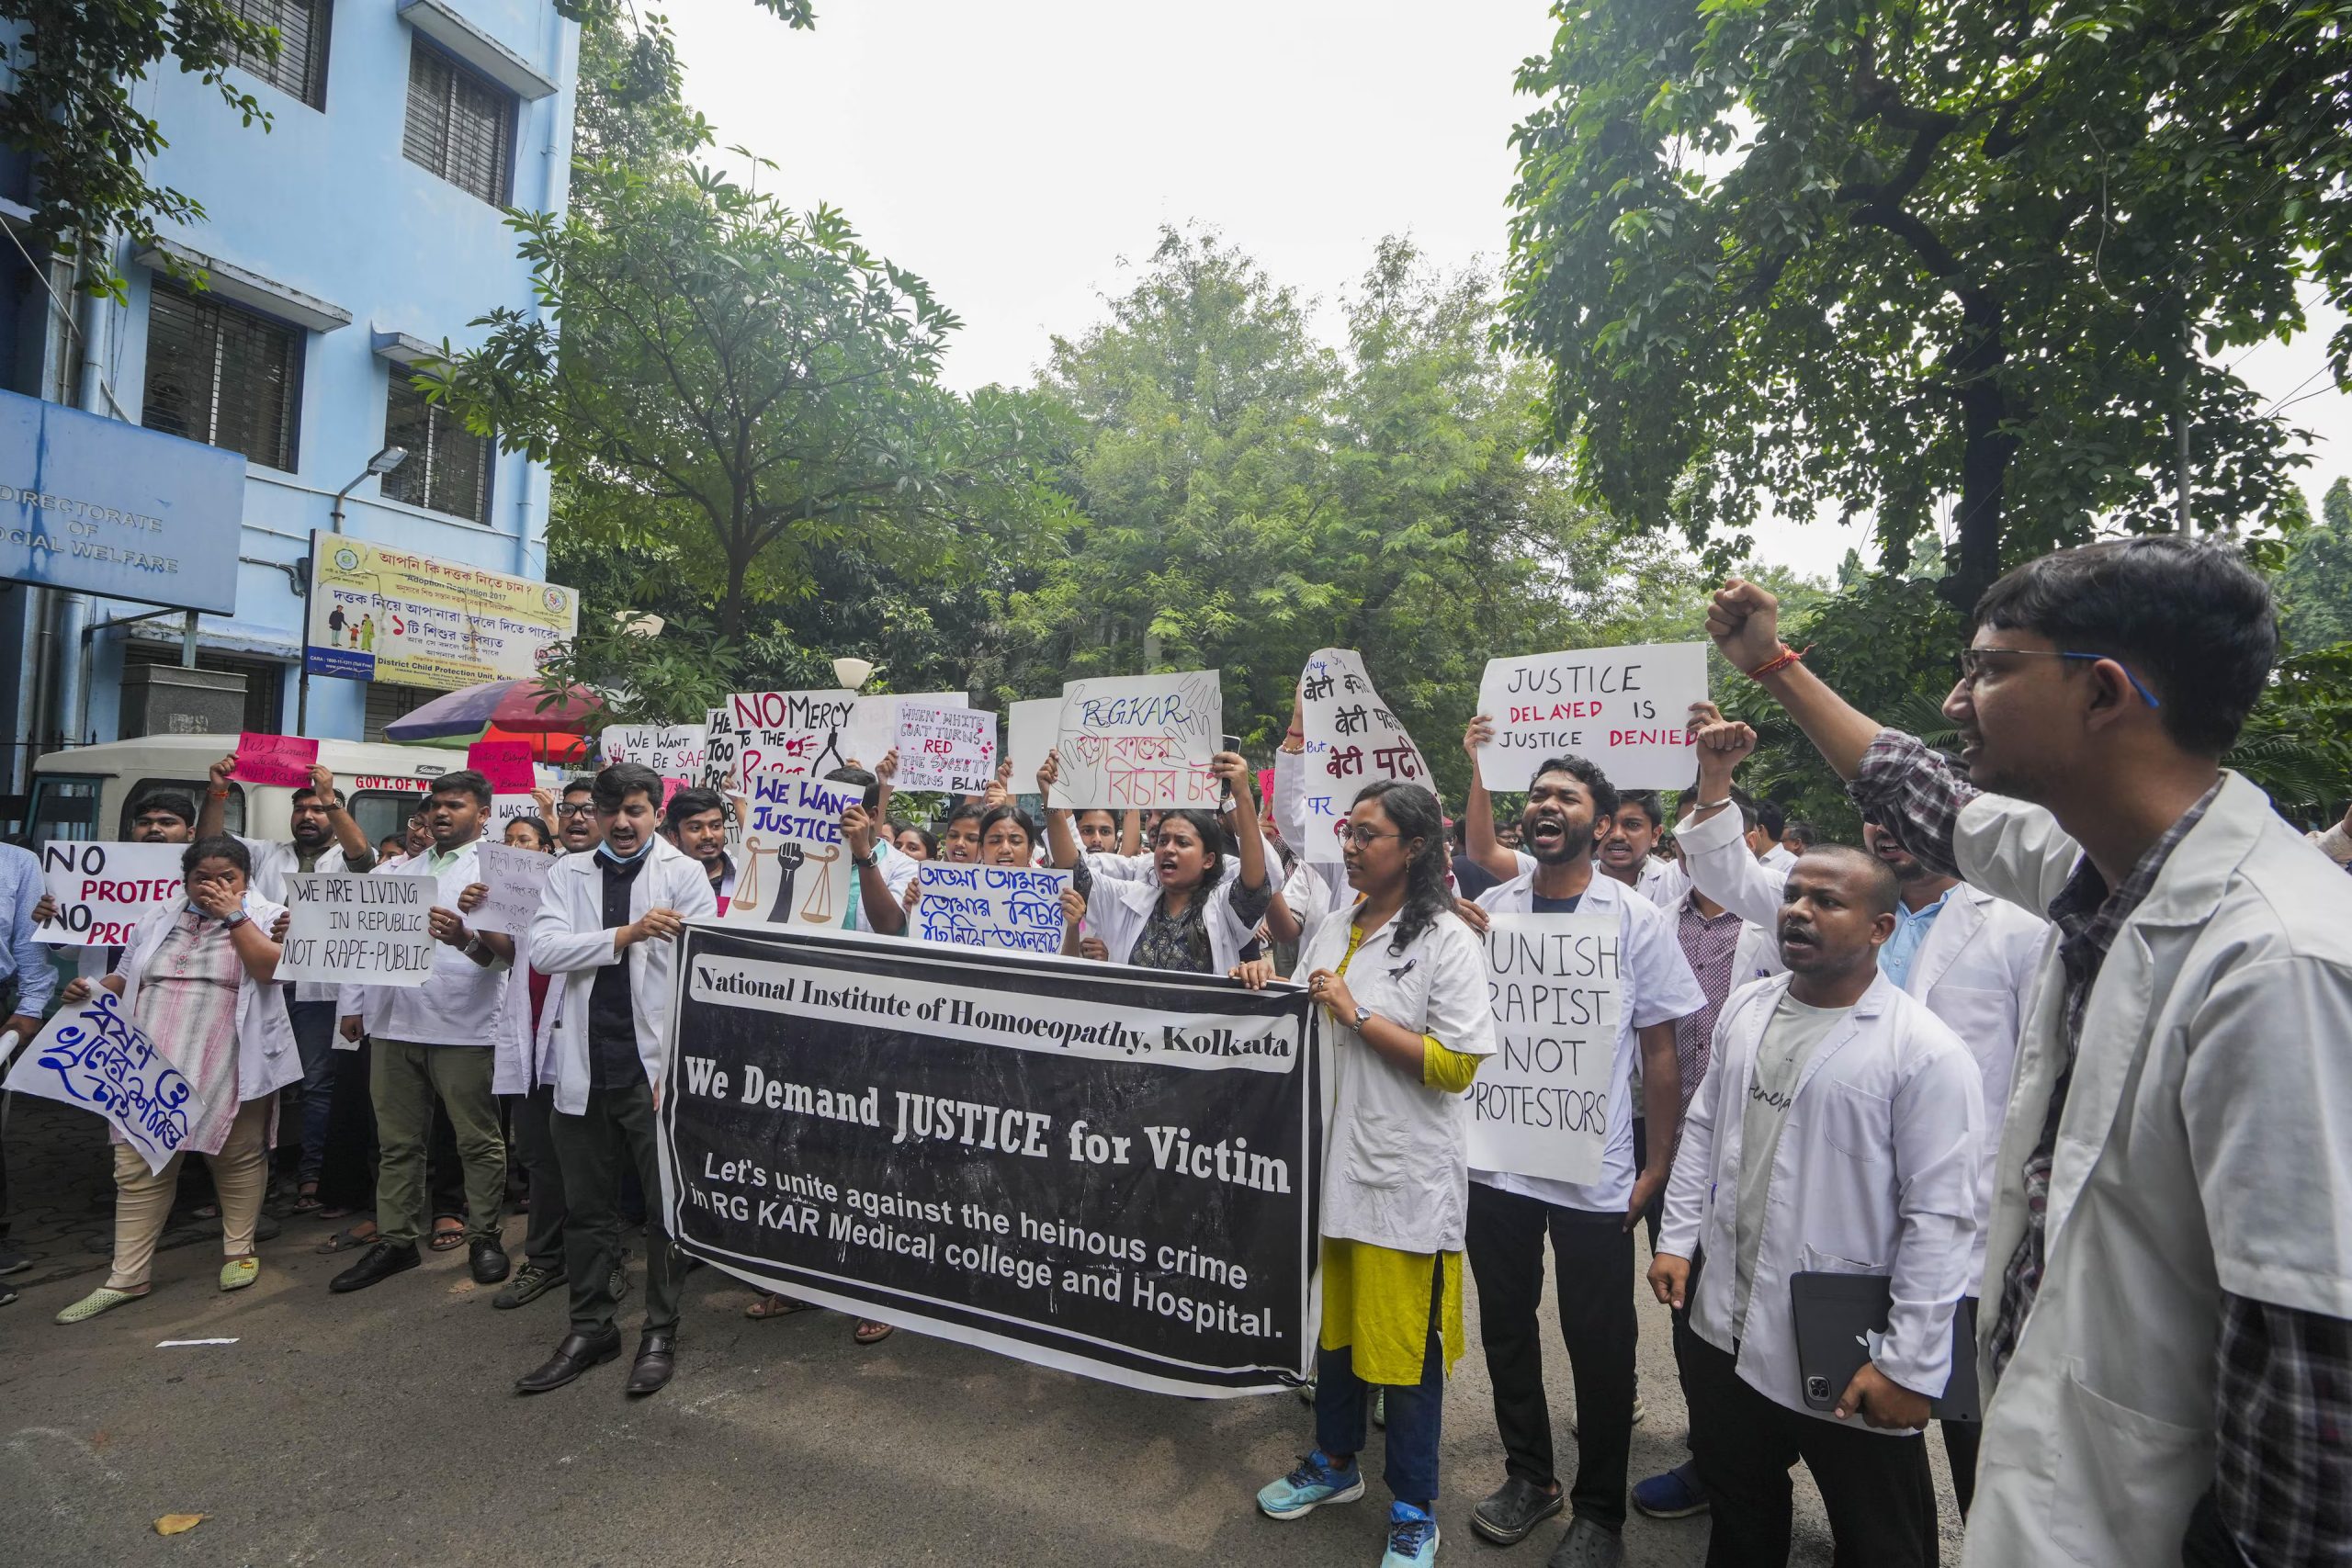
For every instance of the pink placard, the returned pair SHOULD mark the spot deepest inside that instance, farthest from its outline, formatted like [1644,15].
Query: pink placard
[281,760]
[670,788]
[505,764]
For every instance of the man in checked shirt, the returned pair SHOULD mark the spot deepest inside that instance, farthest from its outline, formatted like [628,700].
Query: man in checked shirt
[2167,1338]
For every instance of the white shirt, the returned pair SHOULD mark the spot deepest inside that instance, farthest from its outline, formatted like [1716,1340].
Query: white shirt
[462,1002]
[1397,1151]
[897,868]
[1658,987]
[1874,1173]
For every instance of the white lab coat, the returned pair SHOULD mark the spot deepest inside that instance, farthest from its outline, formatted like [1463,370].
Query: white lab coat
[1119,906]
[1396,1161]
[461,1002]
[267,1058]
[571,942]
[2201,1150]
[1875,1174]
[1975,970]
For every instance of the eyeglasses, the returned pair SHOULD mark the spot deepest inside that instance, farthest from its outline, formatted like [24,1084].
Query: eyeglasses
[584,808]
[1969,664]
[1363,837]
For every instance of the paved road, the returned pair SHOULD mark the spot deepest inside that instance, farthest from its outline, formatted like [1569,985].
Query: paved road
[378,1428]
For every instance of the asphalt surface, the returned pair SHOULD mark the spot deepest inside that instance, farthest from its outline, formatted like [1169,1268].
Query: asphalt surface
[379,1429]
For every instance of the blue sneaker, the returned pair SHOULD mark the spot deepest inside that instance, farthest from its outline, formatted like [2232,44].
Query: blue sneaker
[1412,1537]
[1676,1495]
[1316,1482]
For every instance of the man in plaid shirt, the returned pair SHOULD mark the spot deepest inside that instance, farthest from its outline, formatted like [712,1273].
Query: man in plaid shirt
[2168,1348]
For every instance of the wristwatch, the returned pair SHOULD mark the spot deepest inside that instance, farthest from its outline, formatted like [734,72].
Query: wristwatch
[865,862]
[1363,1016]
[475,947]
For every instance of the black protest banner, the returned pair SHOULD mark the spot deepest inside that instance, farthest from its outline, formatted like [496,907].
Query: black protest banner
[1109,1170]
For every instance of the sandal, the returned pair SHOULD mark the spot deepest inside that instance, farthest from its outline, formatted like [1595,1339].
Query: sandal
[868,1331]
[351,1240]
[238,1272]
[448,1240]
[207,1211]
[306,1200]
[106,1298]
[777,1306]
[337,1210]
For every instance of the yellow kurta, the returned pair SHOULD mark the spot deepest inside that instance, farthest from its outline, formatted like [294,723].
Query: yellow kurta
[1375,1299]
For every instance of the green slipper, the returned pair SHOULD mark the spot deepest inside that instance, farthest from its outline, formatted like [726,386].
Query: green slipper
[238,1272]
[106,1298]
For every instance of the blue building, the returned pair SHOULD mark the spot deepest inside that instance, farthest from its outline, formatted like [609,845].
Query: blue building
[356,235]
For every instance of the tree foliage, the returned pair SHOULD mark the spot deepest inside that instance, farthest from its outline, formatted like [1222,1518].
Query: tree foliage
[1249,495]
[1887,258]
[74,67]
[733,387]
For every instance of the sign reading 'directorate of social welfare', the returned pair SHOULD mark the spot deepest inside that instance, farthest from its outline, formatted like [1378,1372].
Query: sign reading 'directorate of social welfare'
[381,613]
[1140,741]
[515,879]
[1105,1170]
[1017,906]
[1627,709]
[102,890]
[1540,1106]
[93,1055]
[946,749]
[793,867]
[364,930]
[671,751]
[1352,739]
[788,732]
[283,760]
[95,505]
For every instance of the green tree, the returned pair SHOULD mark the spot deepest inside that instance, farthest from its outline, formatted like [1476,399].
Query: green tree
[1881,256]
[737,388]
[1249,495]
[73,67]
[2315,586]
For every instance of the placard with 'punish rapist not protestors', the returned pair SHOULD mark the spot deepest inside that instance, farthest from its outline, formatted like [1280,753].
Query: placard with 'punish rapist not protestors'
[1106,1170]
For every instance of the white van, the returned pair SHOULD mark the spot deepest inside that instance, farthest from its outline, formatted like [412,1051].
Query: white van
[87,792]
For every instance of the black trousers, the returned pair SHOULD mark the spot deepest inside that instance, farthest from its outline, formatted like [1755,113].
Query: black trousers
[615,1132]
[1595,1255]
[1876,1485]
[347,1175]
[543,1239]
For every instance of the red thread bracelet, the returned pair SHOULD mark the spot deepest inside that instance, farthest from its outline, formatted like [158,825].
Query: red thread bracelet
[1787,656]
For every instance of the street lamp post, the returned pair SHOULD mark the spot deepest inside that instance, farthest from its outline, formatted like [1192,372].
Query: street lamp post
[383,462]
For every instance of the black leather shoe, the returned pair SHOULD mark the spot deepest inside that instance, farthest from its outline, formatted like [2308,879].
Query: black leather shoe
[656,1360]
[379,1263]
[1513,1509]
[574,1355]
[488,1260]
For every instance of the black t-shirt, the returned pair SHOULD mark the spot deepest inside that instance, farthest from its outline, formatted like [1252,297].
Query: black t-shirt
[612,1019]
[1470,878]
[1544,906]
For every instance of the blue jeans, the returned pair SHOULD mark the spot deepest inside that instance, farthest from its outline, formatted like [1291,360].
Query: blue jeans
[1414,1414]
[314,1037]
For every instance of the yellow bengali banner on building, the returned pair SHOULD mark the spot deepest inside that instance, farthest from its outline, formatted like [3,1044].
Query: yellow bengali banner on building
[381,613]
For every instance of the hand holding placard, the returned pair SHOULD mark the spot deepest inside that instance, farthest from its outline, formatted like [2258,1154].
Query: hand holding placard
[281,761]
[505,764]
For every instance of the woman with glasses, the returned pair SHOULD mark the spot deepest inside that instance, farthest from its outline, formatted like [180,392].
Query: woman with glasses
[1202,893]
[198,980]
[1403,984]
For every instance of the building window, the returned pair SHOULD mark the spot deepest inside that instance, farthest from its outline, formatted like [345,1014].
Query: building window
[459,126]
[222,376]
[447,468]
[301,68]
[388,704]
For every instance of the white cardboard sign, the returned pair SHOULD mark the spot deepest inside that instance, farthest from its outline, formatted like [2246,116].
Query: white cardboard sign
[1141,741]
[1625,709]
[1351,740]
[1540,1106]
[353,928]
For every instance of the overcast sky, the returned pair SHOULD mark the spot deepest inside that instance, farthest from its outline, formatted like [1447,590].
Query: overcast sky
[1014,152]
